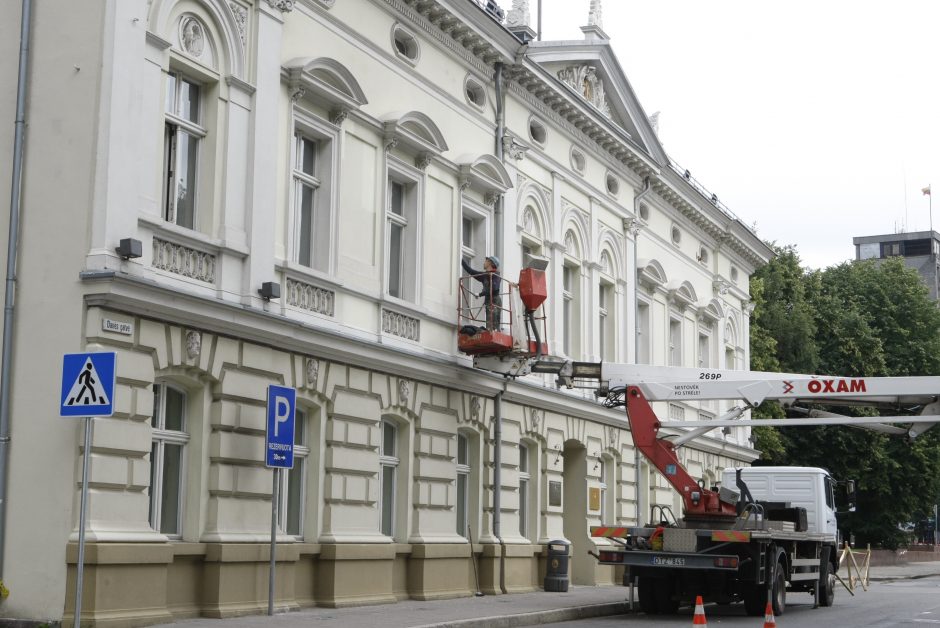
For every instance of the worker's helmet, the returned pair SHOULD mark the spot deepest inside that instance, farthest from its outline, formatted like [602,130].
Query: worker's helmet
[493,260]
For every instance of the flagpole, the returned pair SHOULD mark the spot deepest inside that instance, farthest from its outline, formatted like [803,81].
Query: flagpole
[926,191]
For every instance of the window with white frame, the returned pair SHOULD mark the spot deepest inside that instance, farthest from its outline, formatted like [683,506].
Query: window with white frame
[675,342]
[292,491]
[731,341]
[388,467]
[184,136]
[570,285]
[704,350]
[167,458]
[643,333]
[313,204]
[473,227]
[602,484]
[401,237]
[524,497]
[605,325]
[463,484]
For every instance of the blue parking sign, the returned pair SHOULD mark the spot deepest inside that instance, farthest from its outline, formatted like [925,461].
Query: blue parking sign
[279,436]
[87,385]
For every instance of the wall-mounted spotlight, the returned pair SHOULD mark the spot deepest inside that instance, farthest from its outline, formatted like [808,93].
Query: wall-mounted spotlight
[130,248]
[557,455]
[270,290]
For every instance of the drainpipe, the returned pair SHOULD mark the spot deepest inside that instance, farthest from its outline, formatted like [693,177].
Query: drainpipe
[647,188]
[500,131]
[12,243]
[498,399]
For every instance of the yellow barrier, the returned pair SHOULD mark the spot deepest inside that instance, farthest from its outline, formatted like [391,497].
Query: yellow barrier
[860,577]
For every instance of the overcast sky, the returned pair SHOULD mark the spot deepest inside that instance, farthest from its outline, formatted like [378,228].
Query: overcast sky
[816,120]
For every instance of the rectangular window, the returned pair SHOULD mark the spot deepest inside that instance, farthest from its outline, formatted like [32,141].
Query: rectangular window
[605,323]
[675,342]
[643,334]
[463,484]
[603,488]
[467,236]
[306,185]
[183,137]
[388,462]
[401,256]
[293,482]
[167,457]
[704,351]
[890,249]
[730,361]
[570,276]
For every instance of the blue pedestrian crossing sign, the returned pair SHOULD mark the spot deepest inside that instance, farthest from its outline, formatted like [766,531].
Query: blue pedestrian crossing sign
[279,436]
[87,384]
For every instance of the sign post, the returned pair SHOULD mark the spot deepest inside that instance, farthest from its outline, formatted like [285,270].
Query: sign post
[278,454]
[87,392]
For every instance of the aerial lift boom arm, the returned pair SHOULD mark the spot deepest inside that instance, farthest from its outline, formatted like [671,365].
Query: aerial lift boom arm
[635,386]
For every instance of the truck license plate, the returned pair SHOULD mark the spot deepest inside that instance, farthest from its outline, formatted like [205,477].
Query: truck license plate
[669,561]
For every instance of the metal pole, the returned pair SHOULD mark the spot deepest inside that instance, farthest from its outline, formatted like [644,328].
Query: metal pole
[86,456]
[274,500]
[538,35]
[12,246]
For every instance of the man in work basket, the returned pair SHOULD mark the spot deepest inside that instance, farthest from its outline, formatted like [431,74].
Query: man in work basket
[491,284]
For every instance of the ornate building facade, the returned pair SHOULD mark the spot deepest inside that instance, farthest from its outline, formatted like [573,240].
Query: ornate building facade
[350,152]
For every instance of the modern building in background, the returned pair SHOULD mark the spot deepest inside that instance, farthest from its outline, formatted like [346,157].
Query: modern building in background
[920,250]
[304,177]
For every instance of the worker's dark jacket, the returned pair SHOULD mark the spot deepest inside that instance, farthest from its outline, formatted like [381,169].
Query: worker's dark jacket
[491,282]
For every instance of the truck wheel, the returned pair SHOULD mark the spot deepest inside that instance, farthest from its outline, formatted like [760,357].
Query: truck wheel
[826,583]
[647,595]
[778,598]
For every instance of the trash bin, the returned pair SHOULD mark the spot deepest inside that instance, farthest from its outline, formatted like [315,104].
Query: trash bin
[556,569]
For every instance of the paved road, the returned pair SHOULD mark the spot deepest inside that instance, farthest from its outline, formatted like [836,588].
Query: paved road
[889,604]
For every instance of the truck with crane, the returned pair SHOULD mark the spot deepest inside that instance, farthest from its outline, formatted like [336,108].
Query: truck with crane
[766,530]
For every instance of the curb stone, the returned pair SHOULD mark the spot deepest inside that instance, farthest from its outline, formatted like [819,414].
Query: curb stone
[537,617]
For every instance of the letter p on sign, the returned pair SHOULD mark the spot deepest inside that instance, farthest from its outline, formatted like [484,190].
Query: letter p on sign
[282,413]
[279,435]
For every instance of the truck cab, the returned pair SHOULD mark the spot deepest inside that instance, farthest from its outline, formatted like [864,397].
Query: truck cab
[811,488]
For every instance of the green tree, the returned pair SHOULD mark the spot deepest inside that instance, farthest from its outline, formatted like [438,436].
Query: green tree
[782,333]
[784,314]
[855,319]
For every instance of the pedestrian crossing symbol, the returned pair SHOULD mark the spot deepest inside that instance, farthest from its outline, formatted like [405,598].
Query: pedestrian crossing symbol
[87,385]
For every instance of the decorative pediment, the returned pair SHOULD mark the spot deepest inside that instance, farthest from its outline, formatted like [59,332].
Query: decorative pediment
[416,131]
[486,173]
[325,81]
[682,293]
[651,273]
[711,311]
[585,81]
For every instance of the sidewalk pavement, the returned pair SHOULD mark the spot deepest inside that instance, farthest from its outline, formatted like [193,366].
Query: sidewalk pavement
[501,611]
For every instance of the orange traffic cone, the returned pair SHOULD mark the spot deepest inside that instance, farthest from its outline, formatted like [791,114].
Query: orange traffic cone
[769,617]
[699,618]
